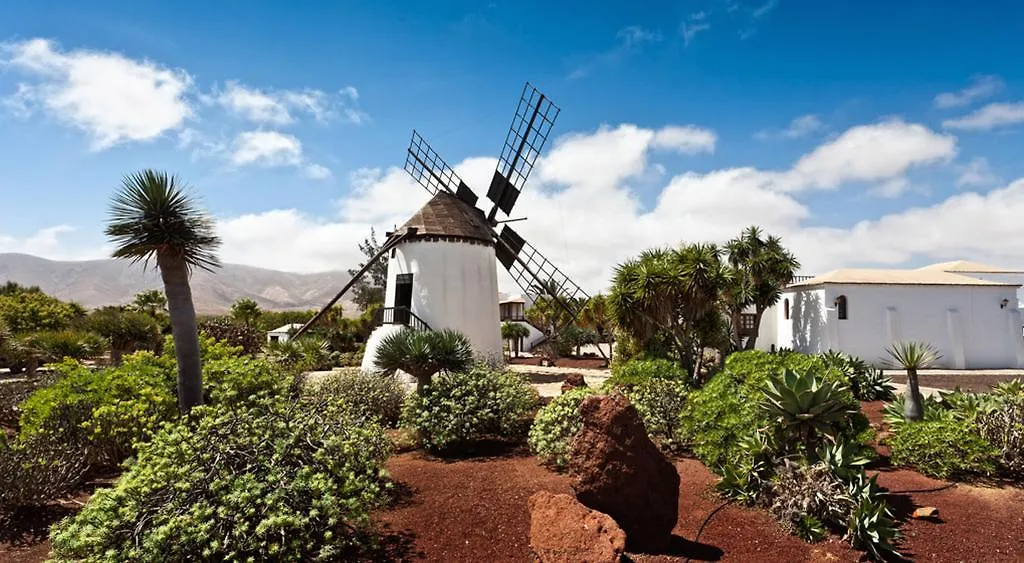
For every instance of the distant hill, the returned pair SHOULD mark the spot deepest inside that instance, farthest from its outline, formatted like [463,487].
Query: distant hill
[95,283]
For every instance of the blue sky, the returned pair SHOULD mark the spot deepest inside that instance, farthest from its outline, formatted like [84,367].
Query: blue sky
[864,133]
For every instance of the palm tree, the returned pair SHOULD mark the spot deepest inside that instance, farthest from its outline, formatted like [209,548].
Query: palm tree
[151,301]
[666,295]
[912,356]
[153,218]
[422,353]
[512,333]
[761,267]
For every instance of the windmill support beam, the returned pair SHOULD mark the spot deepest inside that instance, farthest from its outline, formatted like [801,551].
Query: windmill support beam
[391,242]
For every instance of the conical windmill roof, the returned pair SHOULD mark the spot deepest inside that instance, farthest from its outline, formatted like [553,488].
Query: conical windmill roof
[447,216]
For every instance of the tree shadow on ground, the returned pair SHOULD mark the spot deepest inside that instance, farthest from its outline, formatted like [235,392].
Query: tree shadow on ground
[386,544]
[486,449]
[682,547]
[28,526]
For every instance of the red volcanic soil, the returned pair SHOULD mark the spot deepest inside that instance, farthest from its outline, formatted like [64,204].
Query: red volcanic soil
[475,509]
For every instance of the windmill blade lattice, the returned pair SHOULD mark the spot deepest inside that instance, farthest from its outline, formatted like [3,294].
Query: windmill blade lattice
[535,274]
[530,128]
[431,171]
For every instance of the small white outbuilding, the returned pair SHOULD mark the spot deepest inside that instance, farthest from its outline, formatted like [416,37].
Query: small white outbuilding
[283,333]
[974,323]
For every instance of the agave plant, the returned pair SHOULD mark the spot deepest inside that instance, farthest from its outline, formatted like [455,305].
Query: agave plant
[912,356]
[871,527]
[422,353]
[805,408]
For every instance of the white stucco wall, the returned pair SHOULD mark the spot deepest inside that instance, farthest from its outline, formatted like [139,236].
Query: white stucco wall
[455,285]
[965,323]
[1002,278]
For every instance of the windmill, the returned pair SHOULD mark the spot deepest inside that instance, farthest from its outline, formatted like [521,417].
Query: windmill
[442,264]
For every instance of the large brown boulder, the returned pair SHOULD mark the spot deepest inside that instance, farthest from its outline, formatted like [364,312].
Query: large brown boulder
[616,469]
[564,531]
[573,381]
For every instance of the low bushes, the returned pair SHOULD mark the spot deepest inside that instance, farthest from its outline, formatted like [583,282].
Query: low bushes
[270,480]
[370,396]
[943,448]
[962,435]
[660,402]
[458,408]
[38,470]
[555,425]
[635,371]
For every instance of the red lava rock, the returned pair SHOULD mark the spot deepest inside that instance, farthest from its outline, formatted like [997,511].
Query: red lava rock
[573,381]
[564,531]
[616,469]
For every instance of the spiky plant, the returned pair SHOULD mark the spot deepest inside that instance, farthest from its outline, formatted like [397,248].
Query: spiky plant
[805,408]
[912,356]
[152,218]
[423,353]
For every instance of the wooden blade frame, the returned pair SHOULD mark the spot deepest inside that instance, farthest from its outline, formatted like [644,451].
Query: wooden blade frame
[530,128]
[431,171]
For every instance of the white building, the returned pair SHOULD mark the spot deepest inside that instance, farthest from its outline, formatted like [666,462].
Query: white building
[443,275]
[283,333]
[975,323]
[513,310]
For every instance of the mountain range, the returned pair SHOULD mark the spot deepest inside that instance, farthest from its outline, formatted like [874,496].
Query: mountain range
[95,283]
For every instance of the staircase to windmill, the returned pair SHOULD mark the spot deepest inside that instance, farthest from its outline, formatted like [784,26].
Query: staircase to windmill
[399,316]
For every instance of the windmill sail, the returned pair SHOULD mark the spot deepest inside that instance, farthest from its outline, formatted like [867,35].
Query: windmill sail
[530,127]
[431,171]
[536,275]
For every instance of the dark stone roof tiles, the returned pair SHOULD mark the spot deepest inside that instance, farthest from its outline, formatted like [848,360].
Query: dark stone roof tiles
[447,216]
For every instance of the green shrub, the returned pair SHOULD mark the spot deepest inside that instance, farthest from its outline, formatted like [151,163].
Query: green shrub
[13,393]
[243,336]
[636,371]
[660,403]
[113,408]
[275,480]
[942,448]
[237,379]
[555,426]
[724,412]
[804,409]
[866,382]
[803,496]
[376,397]
[55,345]
[461,407]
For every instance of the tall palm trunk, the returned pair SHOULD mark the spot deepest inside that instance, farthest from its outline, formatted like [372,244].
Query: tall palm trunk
[183,328]
[912,407]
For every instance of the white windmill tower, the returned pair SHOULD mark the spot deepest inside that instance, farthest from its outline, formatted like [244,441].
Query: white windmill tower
[442,263]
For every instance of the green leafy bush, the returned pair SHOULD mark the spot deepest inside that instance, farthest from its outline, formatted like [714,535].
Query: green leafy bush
[722,413]
[636,371]
[237,379]
[244,336]
[113,408]
[660,403]
[866,382]
[458,408]
[555,426]
[55,345]
[274,480]
[942,448]
[13,394]
[370,396]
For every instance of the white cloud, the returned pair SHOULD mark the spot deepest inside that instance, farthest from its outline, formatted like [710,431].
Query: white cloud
[266,148]
[316,171]
[800,127]
[112,98]
[49,242]
[989,117]
[982,86]
[977,173]
[628,41]
[869,153]
[585,214]
[686,140]
[281,107]
[890,189]
[690,30]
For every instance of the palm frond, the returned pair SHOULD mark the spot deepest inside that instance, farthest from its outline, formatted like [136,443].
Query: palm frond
[153,216]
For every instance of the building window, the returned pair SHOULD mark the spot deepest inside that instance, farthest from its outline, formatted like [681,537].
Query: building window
[785,308]
[841,306]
